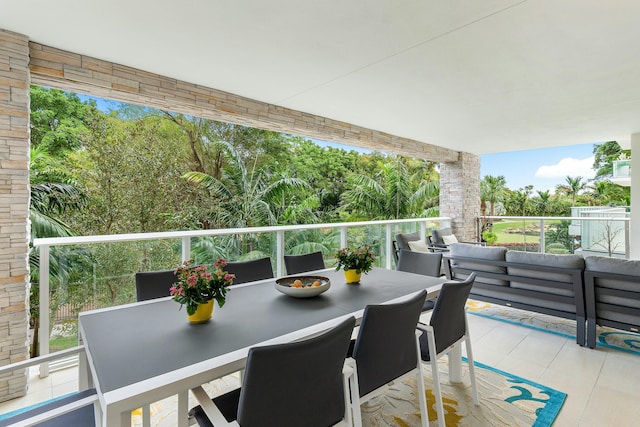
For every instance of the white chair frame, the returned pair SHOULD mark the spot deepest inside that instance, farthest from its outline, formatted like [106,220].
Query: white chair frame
[422,398]
[433,356]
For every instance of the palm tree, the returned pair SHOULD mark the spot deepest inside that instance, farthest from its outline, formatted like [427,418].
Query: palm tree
[573,187]
[53,192]
[245,198]
[389,195]
[543,202]
[492,190]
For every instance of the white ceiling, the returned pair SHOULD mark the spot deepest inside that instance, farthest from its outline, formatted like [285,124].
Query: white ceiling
[478,76]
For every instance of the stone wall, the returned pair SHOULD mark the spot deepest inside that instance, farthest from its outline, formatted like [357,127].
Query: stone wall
[70,71]
[460,194]
[14,208]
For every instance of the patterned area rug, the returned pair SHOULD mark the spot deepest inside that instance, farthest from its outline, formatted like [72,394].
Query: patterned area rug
[505,400]
[606,337]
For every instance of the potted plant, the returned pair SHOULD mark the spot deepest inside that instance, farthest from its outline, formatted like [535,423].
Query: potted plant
[354,262]
[196,288]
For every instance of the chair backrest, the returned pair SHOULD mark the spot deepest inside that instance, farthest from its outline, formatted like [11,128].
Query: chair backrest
[385,347]
[249,271]
[154,284]
[82,415]
[403,239]
[436,235]
[306,262]
[297,383]
[425,263]
[449,318]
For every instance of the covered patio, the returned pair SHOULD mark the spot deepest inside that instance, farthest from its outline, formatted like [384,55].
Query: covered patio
[442,82]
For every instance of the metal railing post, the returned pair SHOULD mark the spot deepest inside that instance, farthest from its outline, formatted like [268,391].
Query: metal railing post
[43,327]
[389,246]
[542,244]
[280,253]
[343,237]
[186,248]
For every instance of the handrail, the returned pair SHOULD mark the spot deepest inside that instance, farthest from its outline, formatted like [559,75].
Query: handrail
[109,238]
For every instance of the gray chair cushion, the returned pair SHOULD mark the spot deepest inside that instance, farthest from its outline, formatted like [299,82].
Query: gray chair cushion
[548,260]
[494,253]
[403,239]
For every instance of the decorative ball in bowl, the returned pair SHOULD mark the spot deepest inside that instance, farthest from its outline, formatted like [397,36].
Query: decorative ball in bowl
[303,286]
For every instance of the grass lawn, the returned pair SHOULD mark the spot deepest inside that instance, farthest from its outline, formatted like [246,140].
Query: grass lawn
[62,343]
[503,237]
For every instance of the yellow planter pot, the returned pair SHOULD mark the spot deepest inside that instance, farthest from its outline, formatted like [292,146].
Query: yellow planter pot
[202,314]
[351,276]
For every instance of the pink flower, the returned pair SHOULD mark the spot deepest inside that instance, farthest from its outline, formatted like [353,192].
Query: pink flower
[220,263]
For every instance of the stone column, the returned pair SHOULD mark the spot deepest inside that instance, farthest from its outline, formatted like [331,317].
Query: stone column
[14,209]
[460,194]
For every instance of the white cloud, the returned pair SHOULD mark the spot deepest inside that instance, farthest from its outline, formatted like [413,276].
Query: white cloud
[568,167]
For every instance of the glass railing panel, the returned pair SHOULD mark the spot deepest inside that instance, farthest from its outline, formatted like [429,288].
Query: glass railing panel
[233,247]
[558,238]
[86,277]
[325,240]
[517,234]
[604,238]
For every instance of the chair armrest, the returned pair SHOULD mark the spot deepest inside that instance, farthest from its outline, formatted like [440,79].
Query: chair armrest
[209,408]
[422,327]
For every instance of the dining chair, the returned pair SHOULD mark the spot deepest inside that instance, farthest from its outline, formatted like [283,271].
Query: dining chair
[78,409]
[402,242]
[448,327]
[443,237]
[387,348]
[303,383]
[250,271]
[424,263]
[302,263]
[154,284]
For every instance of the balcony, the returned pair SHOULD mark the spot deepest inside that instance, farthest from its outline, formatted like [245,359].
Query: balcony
[590,377]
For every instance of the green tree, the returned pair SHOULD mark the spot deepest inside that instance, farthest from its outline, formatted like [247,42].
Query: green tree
[388,195]
[53,193]
[244,197]
[572,187]
[543,201]
[58,120]
[604,155]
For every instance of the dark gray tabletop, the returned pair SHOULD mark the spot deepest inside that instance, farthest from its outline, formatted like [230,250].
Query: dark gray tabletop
[136,342]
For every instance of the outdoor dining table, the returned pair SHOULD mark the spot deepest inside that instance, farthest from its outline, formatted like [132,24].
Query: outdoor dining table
[140,353]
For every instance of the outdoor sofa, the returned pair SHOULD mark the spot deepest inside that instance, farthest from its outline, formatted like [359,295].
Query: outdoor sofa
[543,283]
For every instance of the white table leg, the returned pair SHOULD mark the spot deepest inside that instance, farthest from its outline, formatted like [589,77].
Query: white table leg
[183,409]
[146,415]
[455,364]
[85,380]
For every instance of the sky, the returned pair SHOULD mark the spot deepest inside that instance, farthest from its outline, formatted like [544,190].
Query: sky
[543,168]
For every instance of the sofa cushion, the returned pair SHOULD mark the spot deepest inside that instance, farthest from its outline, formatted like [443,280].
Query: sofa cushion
[403,239]
[494,253]
[547,260]
[618,266]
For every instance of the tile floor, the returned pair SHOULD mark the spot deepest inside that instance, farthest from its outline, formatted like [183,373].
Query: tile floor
[602,384]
